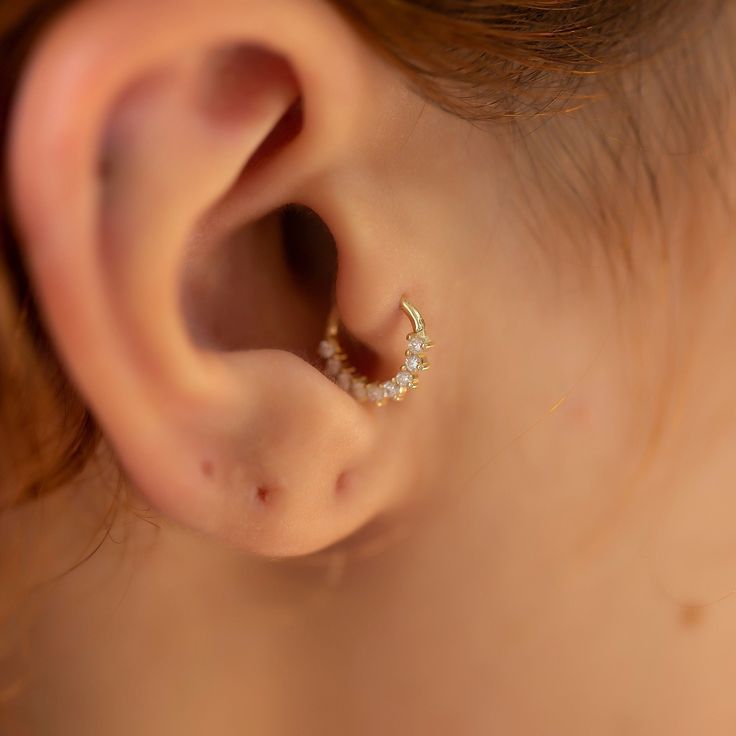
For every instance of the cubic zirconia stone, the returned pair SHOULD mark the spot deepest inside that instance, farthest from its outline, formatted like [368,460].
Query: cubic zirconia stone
[375,392]
[391,389]
[413,363]
[404,379]
[358,390]
[344,380]
[326,349]
[417,344]
[333,367]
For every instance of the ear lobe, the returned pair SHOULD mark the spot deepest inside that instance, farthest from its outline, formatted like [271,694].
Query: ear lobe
[253,446]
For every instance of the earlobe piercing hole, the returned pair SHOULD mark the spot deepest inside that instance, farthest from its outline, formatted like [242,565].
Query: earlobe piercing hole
[342,484]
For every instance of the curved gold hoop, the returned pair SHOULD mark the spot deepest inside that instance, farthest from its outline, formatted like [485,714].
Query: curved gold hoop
[338,368]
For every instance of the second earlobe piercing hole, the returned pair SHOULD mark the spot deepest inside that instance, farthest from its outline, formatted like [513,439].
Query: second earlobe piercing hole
[342,485]
[263,495]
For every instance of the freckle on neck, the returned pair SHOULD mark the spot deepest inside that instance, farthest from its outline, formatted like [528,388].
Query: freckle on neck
[691,615]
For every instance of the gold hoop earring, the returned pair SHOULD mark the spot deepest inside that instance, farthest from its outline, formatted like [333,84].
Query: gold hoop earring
[338,368]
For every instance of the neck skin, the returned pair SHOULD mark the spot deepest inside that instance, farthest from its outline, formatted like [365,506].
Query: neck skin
[569,545]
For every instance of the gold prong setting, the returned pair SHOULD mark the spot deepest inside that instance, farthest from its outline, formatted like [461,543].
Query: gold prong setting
[337,367]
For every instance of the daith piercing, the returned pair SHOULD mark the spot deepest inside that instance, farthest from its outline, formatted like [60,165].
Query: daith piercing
[338,368]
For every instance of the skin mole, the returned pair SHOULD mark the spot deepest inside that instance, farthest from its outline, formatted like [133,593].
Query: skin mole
[692,615]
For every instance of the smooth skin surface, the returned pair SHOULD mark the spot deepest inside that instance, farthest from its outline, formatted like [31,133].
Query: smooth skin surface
[539,541]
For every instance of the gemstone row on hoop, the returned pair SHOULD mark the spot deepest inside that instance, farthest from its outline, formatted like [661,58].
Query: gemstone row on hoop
[337,368]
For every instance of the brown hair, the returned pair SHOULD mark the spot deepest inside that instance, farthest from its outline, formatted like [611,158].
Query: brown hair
[484,60]
[481,60]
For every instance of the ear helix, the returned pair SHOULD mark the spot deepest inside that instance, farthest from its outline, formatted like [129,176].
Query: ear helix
[338,367]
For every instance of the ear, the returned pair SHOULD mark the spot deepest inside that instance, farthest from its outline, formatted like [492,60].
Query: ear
[150,143]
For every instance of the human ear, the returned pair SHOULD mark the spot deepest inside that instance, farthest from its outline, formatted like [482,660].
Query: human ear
[148,137]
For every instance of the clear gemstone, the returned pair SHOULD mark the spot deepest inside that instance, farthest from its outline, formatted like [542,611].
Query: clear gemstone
[326,349]
[391,389]
[358,390]
[417,344]
[344,380]
[375,392]
[413,363]
[333,367]
[404,379]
